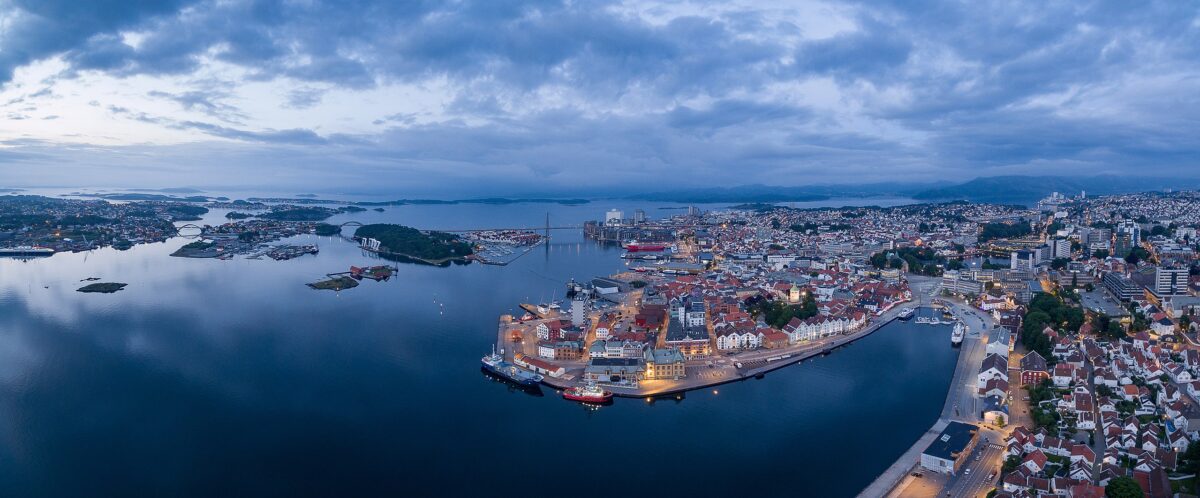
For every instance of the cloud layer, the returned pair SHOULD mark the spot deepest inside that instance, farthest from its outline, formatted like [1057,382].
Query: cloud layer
[484,96]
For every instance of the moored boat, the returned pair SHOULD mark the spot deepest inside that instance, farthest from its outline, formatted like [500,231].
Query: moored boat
[634,246]
[907,314]
[956,335]
[26,251]
[496,365]
[590,393]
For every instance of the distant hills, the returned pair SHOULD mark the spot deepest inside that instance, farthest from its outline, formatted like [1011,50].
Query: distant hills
[1013,189]
[1026,189]
[769,193]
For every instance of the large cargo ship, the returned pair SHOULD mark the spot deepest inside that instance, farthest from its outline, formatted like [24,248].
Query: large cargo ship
[635,246]
[495,365]
[26,251]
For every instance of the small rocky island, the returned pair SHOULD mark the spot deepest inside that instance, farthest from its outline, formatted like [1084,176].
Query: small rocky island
[335,283]
[105,287]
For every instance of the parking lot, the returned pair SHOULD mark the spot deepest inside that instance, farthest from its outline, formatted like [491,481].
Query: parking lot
[1098,301]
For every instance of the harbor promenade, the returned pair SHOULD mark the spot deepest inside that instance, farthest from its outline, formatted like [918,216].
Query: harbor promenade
[960,387]
[755,364]
[959,405]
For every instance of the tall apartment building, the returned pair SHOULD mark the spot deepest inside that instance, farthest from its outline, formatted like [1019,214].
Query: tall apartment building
[1060,248]
[1170,281]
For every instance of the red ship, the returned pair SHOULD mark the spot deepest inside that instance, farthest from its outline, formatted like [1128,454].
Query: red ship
[634,246]
[587,394]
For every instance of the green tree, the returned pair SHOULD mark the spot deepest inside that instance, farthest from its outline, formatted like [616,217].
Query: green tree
[1190,460]
[1136,255]
[1100,254]
[879,260]
[1011,463]
[1123,487]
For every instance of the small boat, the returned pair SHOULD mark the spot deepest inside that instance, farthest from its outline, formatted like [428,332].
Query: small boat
[496,365]
[589,393]
[956,335]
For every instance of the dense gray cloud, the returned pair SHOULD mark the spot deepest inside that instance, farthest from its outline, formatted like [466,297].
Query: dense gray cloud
[564,92]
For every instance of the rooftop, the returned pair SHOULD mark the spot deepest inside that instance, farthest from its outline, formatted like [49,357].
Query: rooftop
[954,439]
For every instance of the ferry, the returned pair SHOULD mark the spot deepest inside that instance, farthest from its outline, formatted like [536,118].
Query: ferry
[907,314]
[496,365]
[589,393]
[26,251]
[956,336]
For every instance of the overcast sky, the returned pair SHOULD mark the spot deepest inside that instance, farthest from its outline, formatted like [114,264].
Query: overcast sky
[500,97]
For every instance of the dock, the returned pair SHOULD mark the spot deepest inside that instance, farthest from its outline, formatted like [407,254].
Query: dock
[759,364]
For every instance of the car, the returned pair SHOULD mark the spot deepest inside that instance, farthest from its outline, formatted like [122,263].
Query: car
[918,474]
[991,476]
[967,472]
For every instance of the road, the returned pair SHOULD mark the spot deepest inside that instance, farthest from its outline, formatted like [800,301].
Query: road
[1018,408]
[984,461]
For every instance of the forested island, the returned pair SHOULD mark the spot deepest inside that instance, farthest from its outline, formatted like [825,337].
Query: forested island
[429,247]
[294,213]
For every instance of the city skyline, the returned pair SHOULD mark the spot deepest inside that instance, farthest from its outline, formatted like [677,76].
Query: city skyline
[474,98]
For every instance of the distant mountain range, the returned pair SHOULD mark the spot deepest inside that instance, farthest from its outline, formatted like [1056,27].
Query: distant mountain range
[995,189]
[1027,189]
[769,193]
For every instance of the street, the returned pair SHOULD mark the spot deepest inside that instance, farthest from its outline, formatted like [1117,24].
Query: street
[972,479]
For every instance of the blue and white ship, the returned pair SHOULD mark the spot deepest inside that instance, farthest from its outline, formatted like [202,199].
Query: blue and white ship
[495,365]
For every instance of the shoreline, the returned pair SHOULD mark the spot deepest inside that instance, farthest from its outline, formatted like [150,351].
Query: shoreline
[693,384]
[892,478]
[431,262]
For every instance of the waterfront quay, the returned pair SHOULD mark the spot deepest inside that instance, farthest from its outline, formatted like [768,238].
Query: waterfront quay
[904,478]
[702,372]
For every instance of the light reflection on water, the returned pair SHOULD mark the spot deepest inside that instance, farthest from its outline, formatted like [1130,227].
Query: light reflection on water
[209,377]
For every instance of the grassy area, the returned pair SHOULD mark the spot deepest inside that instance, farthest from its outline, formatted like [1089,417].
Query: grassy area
[1187,485]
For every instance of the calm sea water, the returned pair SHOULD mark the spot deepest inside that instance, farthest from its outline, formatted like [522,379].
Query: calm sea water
[214,378]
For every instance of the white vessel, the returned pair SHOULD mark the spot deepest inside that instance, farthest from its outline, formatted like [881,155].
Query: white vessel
[956,335]
[26,251]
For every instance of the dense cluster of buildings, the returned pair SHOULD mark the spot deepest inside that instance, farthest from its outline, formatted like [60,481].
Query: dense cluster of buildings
[1136,400]
[81,225]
